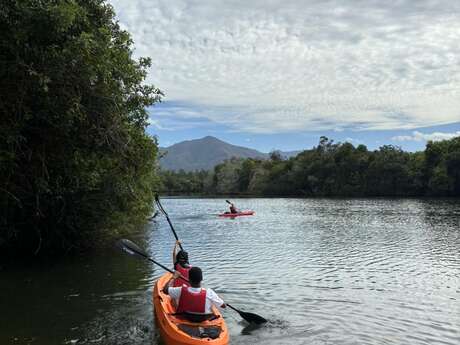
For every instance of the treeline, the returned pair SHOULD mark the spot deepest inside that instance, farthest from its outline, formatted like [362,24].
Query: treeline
[331,169]
[76,166]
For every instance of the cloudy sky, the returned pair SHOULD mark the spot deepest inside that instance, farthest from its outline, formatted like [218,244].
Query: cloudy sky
[278,74]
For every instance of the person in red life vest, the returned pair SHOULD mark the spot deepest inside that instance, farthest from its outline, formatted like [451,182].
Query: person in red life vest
[193,299]
[233,208]
[181,265]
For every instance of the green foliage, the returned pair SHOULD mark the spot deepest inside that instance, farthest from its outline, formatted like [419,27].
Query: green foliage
[76,165]
[443,167]
[226,176]
[246,174]
[182,182]
[336,169]
[388,172]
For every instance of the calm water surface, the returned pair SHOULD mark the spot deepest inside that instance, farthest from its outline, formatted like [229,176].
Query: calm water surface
[323,271]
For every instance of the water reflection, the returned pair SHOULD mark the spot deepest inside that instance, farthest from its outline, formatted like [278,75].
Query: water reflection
[248,329]
[323,271]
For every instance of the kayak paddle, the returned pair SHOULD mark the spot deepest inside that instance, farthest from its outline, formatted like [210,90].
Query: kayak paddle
[249,317]
[160,207]
[231,203]
[133,249]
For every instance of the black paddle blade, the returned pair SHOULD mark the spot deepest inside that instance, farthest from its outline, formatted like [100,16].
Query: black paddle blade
[250,328]
[131,248]
[252,318]
[249,317]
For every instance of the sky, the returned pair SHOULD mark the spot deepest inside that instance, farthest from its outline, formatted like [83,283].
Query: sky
[278,74]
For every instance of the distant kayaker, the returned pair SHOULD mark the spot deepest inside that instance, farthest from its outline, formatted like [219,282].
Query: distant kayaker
[181,265]
[193,299]
[233,208]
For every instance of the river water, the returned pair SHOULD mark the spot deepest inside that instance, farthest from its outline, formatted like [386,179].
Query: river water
[323,271]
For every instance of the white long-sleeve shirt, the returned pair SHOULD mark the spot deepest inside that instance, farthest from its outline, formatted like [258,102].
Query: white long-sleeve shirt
[211,297]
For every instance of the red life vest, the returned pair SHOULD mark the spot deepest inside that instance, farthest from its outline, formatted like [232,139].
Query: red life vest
[191,302]
[184,272]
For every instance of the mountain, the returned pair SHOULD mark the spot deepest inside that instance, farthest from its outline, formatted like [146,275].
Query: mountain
[204,153]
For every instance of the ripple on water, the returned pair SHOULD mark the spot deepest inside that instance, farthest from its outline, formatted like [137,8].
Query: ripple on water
[361,271]
[322,271]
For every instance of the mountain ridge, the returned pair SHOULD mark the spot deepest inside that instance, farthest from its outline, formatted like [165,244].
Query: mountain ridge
[205,153]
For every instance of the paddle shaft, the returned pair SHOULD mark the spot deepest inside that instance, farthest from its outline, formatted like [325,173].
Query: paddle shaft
[174,231]
[131,249]
[157,263]
[239,312]
[157,199]
[149,258]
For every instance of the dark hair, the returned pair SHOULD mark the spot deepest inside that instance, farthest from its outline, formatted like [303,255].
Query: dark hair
[195,275]
[182,257]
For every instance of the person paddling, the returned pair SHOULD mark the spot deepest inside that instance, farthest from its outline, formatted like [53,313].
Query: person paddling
[233,208]
[181,265]
[193,299]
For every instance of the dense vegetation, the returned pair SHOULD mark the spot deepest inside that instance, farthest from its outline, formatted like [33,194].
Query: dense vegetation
[76,165]
[332,169]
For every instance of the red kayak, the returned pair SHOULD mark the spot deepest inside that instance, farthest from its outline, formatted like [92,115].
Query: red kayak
[241,213]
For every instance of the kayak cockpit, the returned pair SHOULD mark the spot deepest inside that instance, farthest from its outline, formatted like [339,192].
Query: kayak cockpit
[196,317]
[199,332]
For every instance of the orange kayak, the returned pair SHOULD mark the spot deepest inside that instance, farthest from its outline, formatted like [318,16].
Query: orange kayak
[178,331]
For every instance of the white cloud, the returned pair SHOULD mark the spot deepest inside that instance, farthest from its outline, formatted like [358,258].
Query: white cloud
[418,136]
[303,65]
[352,140]
[155,124]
